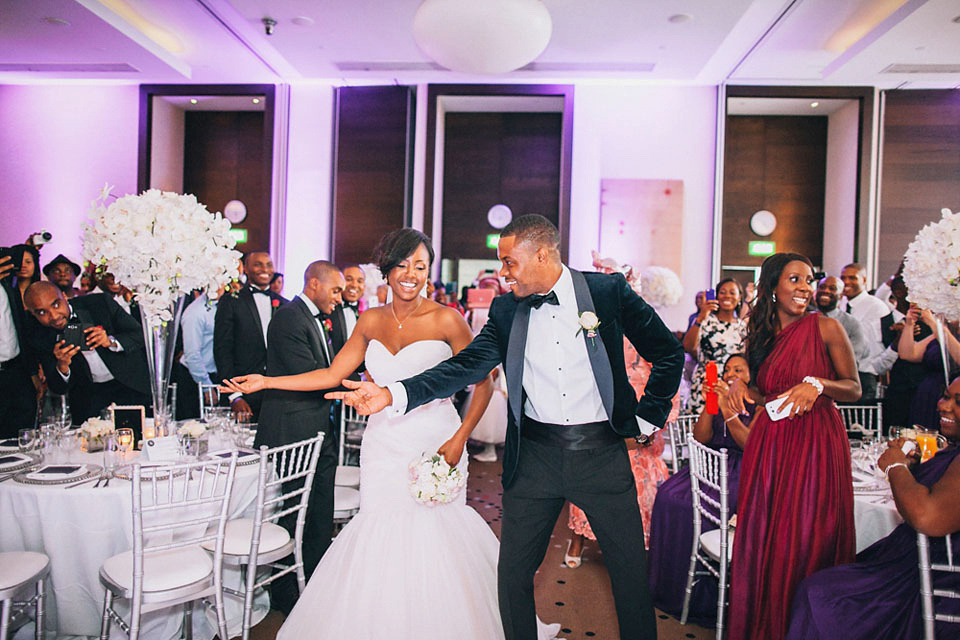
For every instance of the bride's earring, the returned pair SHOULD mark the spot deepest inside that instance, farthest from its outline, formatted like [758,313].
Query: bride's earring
[774,297]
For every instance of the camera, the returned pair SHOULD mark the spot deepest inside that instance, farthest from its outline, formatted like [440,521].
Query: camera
[41,238]
[73,335]
[268,25]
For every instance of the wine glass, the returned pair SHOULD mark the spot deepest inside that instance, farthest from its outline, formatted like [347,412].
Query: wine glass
[27,440]
[124,440]
[111,451]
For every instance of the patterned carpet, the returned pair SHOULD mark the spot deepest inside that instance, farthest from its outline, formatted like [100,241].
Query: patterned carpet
[579,599]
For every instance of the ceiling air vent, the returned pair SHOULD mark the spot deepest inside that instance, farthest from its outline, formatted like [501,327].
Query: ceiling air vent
[68,67]
[922,68]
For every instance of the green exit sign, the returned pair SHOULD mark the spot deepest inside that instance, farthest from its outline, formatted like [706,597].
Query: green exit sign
[240,235]
[761,247]
[492,240]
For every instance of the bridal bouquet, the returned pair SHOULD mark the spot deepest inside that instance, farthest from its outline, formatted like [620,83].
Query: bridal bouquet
[433,481]
[931,266]
[660,287]
[160,245]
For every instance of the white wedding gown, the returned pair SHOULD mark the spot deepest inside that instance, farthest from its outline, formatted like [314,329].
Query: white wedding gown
[402,570]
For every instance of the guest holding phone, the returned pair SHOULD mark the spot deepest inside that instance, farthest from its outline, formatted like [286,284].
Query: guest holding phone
[716,334]
[18,404]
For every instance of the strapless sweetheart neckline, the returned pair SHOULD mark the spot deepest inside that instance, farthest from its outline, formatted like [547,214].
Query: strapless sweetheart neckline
[387,349]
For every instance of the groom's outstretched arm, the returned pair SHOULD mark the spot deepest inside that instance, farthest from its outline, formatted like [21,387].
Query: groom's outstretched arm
[469,366]
[658,346]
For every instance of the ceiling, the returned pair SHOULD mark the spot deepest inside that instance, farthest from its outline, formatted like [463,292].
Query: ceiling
[883,43]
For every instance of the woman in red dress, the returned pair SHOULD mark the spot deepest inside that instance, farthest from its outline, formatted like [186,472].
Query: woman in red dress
[795,507]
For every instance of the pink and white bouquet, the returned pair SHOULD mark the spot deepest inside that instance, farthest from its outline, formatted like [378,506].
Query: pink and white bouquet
[433,481]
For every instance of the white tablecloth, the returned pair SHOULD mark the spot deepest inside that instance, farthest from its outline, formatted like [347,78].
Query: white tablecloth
[875,515]
[81,527]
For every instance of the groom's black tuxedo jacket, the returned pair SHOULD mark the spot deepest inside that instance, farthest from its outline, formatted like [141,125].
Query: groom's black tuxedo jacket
[294,346]
[621,312]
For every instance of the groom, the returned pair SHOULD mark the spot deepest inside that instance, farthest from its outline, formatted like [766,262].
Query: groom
[560,338]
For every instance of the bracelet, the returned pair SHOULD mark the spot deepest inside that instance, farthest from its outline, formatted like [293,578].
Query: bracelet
[815,383]
[886,472]
[727,420]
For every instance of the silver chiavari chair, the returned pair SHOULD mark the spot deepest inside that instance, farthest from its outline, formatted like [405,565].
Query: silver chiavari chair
[18,571]
[866,419]
[927,592]
[675,452]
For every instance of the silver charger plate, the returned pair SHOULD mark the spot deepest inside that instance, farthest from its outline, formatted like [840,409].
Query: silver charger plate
[90,471]
[31,460]
[245,457]
[125,472]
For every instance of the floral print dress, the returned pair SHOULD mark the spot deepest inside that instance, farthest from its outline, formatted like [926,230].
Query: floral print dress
[718,341]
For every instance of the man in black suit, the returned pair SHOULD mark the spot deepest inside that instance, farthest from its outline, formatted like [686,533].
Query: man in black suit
[111,366]
[560,338]
[18,400]
[300,339]
[240,331]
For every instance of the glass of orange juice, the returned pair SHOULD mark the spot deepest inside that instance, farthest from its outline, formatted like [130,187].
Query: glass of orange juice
[929,442]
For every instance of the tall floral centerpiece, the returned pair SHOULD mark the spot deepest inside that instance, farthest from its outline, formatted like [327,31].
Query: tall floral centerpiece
[931,271]
[162,246]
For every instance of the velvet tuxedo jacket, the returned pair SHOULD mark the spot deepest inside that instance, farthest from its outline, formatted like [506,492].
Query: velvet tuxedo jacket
[238,347]
[503,339]
[295,345]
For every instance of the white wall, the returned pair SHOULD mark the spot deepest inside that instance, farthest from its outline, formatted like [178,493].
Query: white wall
[840,195]
[59,144]
[166,146]
[646,132]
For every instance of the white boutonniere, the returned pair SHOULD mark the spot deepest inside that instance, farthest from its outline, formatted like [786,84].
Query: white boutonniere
[589,323]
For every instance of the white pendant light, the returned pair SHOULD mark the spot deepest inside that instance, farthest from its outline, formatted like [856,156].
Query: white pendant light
[482,36]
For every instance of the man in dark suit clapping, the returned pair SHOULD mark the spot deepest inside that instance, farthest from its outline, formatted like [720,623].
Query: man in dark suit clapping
[305,334]
[110,366]
[240,331]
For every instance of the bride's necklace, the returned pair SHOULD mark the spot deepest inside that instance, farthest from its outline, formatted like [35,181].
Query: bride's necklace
[394,311]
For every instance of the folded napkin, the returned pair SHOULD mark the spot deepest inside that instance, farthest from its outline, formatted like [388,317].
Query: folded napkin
[50,472]
[10,460]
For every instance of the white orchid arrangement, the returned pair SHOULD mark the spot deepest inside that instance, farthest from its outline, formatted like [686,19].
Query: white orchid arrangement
[660,286]
[192,429]
[93,428]
[931,266]
[160,245]
[433,481]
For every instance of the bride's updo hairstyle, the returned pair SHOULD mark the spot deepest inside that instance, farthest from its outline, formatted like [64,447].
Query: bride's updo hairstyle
[397,246]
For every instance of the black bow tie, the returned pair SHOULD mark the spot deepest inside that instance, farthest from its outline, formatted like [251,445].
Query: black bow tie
[265,292]
[352,305]
[537,300]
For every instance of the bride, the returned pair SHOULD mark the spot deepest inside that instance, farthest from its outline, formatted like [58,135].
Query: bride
[400,569]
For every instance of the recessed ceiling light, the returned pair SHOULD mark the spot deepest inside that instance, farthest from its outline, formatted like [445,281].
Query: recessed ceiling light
[678,18]
[256,101]
[814,104]
[302,21]
[60,22]
[193,101]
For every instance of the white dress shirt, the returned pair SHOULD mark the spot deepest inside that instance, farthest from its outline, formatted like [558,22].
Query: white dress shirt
[349,320]
[264,309]
[868,310]
[9,345]
[314,310]
[558,378]
[196,325]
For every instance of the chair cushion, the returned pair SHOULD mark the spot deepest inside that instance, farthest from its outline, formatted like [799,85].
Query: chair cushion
[21,567]
[236,538]
[347,476]
[710,541]
[345,501]
[162,570]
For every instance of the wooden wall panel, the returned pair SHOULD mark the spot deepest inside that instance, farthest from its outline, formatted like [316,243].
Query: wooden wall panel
[497,158]
[370,170]
[920,170]
[779,164]
[224,158]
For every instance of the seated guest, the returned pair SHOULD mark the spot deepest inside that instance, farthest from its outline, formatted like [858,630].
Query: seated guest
[878,596]
[112,365]
[62,272]
[671,528]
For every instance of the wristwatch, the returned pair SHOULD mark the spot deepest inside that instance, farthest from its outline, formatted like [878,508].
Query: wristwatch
[643,440]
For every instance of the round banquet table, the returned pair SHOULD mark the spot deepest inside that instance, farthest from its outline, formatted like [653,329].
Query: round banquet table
[79,528]
[875,515]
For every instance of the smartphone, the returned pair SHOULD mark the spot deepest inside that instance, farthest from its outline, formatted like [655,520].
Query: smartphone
[16,257]
[73,334]
[711,294]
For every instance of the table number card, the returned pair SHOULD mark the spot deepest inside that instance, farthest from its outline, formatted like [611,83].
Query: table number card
[166,448]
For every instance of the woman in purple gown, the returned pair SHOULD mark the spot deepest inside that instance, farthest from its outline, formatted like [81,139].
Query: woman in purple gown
[671,527]
[878,597]
[795,504]
[926,351]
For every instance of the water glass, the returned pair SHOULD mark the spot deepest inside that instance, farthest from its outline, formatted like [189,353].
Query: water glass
[70,443]
[27,440]
[49,438]
[111,453]
[124,440]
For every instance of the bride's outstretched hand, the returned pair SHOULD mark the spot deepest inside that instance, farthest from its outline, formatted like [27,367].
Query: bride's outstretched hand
[366,397]
[244,384]
[452,450]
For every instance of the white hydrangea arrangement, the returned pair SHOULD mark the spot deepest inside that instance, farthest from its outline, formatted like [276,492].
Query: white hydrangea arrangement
[192,428]
[160,245]
[660,287]
[931,266]
[95,428]
[433,481]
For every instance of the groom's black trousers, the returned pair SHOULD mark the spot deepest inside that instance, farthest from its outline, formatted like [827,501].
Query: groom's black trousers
[599,481]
